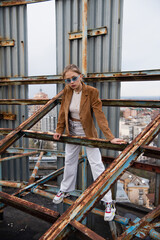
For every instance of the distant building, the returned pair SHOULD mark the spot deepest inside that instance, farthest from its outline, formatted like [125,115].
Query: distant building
[129,112]
[136,188]
[49,121]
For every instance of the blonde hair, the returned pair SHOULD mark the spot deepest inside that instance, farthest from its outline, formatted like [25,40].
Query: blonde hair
[71,67]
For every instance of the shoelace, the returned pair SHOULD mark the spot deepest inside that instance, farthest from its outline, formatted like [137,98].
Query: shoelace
[108,207]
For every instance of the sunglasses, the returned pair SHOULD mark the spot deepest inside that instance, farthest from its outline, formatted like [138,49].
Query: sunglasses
[73,79]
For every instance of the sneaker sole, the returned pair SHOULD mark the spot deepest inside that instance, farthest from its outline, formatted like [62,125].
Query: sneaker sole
[60,200]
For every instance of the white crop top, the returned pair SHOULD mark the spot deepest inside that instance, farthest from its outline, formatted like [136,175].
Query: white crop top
[75,105]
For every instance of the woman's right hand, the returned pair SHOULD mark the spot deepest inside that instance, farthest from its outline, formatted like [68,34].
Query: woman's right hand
[57,136]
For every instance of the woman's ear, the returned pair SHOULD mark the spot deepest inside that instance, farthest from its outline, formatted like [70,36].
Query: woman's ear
[81,76]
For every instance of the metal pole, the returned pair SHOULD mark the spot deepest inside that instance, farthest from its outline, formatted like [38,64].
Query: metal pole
[84,36]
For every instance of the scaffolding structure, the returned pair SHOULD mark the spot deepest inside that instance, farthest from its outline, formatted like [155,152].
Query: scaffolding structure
[74,218]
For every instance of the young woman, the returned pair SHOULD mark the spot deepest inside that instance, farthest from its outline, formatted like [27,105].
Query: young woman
[79,102]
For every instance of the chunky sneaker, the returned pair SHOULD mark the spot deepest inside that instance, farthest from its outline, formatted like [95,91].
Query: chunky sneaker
[109,211]
[59,197]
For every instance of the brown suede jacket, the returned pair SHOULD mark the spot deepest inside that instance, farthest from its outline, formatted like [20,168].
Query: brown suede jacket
[90,103]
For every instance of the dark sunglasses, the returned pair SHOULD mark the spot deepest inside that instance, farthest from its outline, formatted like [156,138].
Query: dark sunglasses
[73,79]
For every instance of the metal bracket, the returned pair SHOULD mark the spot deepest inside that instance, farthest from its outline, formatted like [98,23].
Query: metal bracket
[91,33]
[7,43]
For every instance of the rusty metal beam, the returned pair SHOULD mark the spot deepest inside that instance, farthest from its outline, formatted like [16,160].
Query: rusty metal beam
[97,190]
[35,170]
[48,152]
[94,142]
[124,76]
[44,213]
[16,134]
[131,103]
[139,225]
[90,33]
[7,3]
[51,79]
[7,42]
[153,152]
[105,102]
[96,211]
[84,36]
[18,156]
[89,234]
[11,184]
[29,207]
[148,151]
[149,75]
[137,165]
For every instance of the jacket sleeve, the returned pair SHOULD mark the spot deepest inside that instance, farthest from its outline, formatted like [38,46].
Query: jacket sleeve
[99,115]
[61,117]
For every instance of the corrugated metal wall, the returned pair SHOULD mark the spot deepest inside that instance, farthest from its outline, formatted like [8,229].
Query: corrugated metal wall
[13,62]
[104,52]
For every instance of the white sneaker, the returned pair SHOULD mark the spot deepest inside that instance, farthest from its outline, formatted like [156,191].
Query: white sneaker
[109,211]
[59,197]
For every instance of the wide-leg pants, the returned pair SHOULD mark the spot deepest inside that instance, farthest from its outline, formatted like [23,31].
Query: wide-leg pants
[71,162]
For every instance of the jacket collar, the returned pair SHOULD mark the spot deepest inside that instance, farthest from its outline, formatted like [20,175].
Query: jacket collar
[83,97]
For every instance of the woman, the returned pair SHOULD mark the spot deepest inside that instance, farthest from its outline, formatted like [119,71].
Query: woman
[79,102]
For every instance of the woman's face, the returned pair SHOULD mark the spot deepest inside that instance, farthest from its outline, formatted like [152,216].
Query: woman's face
[75,85]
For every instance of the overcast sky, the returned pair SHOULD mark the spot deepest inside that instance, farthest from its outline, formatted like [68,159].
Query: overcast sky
[140,45]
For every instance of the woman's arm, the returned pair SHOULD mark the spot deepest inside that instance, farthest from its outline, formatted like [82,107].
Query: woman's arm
[61,117]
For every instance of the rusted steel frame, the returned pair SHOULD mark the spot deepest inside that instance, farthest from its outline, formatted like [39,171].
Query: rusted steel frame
[7,43]
[18,156]
[16,134]
[7,116]
[46,79]
[85,231]
[84,36]
[105,102]
[5,131]
[29,187]
[29,207]
[35,170]
[11,184]
[113,229]
[53,168]
[151,151]
[154,234]
[39,182]
[136,228]
[150,75]
[137,165]
[23,101]
[48,152]
[98,189]
[42,213]
[119,219]
[92,142]
[7,3]
[131,103]
[147,230]
[148,151]
[90,32]
[42,180]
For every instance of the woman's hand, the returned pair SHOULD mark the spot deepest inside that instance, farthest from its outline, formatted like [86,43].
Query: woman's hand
[57,136]
[118,141]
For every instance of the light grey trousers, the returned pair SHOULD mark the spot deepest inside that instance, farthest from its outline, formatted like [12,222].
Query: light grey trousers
[71,162]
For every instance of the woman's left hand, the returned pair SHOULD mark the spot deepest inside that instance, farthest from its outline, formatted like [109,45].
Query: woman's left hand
[118,141]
